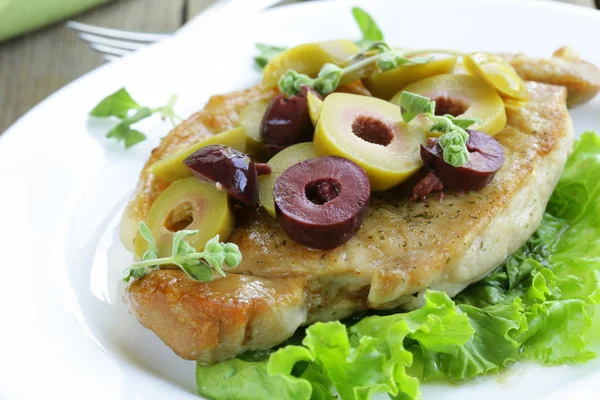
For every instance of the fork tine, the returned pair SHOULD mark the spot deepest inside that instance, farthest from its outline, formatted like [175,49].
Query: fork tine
[111,51]
[116,34]
[119,44]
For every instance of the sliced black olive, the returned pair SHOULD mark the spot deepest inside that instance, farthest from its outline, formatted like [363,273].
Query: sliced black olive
[322,202]
[486,156]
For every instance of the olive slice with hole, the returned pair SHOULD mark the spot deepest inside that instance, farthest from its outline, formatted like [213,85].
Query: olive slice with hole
[187,204]
[229,169]
[462,96]
[308,58]
[322,202]
[172,168]
[486,156]
[386,84]
[281,162]
[370,132]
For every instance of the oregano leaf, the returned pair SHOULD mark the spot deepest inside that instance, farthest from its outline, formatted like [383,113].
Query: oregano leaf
[117,105]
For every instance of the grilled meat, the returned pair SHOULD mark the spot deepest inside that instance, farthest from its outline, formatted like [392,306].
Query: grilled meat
[402,249]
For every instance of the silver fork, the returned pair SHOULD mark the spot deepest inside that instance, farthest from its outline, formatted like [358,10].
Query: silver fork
[115,43]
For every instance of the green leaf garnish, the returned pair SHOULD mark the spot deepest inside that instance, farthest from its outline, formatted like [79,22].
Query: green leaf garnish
[267,53]
[123,131]
[368,27]
[180,247]
[454,139]
[374,52]
[412,104]
[464,123]
[454,145]
[395,59]
[330,75]
[120,105]
[199,266]
[198,270]
[117,105]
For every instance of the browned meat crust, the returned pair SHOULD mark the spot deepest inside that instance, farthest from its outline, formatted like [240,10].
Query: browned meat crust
[564,68]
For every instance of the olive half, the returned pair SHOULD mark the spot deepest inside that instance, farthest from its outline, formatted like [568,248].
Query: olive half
[496,71]
[322,202]
[462,96]
[308,58]
[229,169]
[187,204]
[385,84]
[370,132]
[287,122]
[172,168]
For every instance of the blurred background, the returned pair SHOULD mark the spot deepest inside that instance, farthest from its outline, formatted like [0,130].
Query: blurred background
[39,54]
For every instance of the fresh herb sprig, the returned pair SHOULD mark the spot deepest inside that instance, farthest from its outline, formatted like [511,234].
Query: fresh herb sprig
[121,105]
[198,265]
[454,138]
[368,27]
[330,75]
[267,53]
[375,52]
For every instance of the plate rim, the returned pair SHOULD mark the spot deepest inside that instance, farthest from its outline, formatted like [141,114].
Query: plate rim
[9,136]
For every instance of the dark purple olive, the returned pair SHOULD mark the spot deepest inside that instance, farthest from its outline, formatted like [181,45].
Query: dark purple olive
[425,186]
[485,159]
[234,171]
[322,202]
[287,122]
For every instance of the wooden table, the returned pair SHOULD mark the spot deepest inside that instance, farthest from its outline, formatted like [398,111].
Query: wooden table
[35,65]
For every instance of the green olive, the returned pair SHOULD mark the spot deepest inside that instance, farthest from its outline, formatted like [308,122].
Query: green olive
[187,204]
[314,107]
[172,168]
[250,121]
[308,59]
[496,71]
[370,132]
[462,96]
[279,164]
[385,84]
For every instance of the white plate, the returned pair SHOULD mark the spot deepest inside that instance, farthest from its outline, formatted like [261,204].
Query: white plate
[65,332]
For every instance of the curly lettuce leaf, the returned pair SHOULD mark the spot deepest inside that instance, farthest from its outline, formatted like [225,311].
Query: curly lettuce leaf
[576,196]
[538,305]
[248,380]
[488,350]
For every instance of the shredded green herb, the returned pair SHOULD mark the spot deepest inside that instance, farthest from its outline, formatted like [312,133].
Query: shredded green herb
[266,54]
[454,138]
[198,265]
[120,105]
